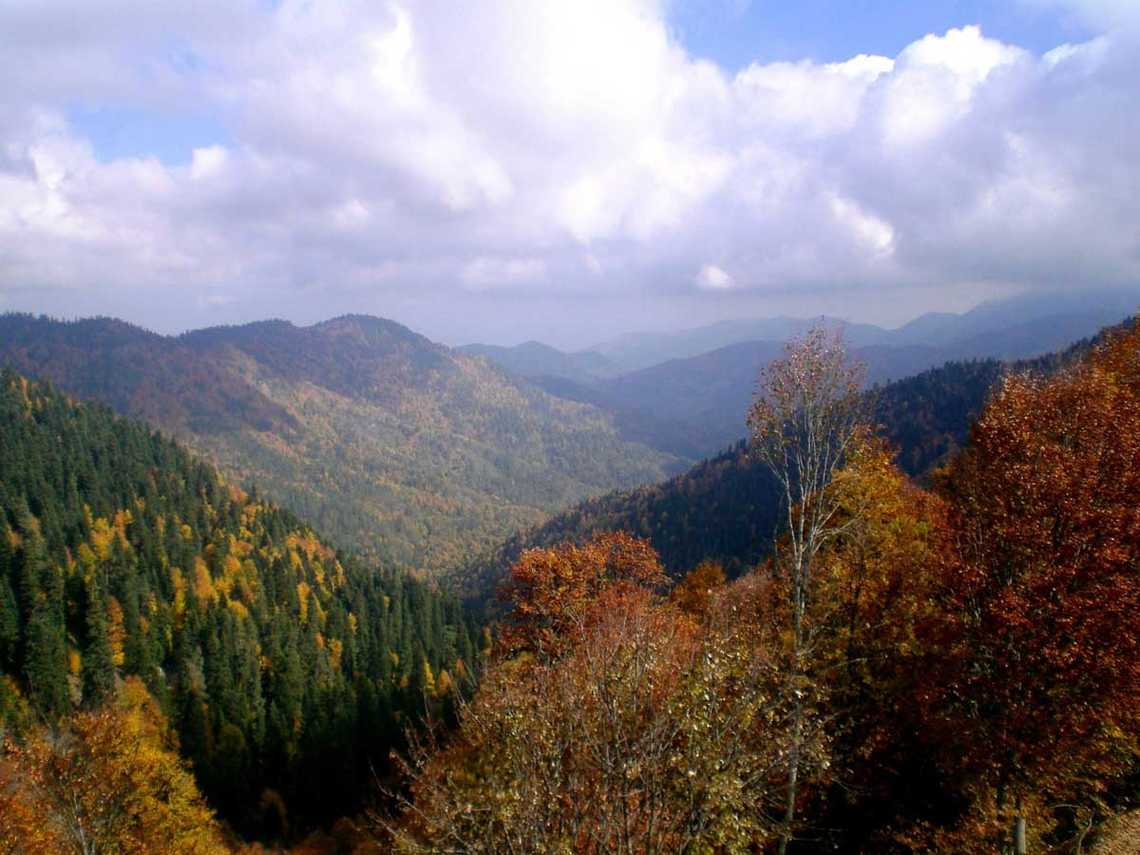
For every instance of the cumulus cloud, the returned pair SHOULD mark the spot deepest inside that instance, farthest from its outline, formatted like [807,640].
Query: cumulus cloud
[394,154]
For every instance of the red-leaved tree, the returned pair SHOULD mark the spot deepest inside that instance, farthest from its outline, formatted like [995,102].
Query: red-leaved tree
[1042,667]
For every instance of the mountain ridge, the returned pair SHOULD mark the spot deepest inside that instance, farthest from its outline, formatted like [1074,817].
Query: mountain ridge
[392,443]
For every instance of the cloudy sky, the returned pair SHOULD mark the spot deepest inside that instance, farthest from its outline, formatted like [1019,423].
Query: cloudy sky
[504,169]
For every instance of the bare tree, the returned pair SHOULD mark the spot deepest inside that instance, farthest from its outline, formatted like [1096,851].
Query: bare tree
[807,416]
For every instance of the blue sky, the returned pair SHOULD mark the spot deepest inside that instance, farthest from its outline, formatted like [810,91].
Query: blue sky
[169,135]
[563,169]
[734,33]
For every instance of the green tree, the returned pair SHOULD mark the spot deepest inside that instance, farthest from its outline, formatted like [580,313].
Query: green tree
[98,658]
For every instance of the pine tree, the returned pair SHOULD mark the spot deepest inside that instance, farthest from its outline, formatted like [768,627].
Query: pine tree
[9,623]
[98,663]
[45,644]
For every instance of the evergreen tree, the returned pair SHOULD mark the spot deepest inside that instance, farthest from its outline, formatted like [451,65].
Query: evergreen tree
[98,661]
[45,643]
[9,623]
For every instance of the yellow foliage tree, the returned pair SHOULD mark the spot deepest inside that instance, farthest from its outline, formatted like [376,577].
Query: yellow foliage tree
[111,782]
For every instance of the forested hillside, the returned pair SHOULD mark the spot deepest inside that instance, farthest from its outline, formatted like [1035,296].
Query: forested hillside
[535,359]
[726,508]
[392,444]
[286,668]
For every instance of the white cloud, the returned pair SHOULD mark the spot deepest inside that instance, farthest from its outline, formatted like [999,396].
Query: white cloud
[810,100]
[207,161]
[217,301]
[934,82]
[866,228]
[398,152]
[713,278]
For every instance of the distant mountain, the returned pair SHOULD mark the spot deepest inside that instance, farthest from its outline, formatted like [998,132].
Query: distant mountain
[534,359]
[391,443]
[635,351]
[1074,314]
[1078,314]
[705,398]
[726,507]
[696,406]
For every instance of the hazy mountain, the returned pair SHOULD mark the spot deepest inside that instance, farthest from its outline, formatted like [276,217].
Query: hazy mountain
[1077,315]
[534,359]
[1084,310]
[696,406]
[388,441]
[636,351]
[706,397]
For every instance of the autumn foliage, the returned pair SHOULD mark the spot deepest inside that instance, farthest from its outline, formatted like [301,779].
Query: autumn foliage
[1042,612]
[109,781]
[964,657]
[612,720]
[554,591]
[949,667]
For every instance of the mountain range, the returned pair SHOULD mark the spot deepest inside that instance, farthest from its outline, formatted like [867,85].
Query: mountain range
[687,392]
[427,456]
[395,445]
[1060,317]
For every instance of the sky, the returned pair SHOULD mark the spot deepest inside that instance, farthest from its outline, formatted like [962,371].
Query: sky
[502,170]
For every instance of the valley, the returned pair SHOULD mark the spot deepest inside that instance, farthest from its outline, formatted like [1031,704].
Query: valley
[133,570]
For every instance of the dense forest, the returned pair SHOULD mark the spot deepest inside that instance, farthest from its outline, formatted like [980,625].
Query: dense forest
[949,668]
[393,445]
[287,669]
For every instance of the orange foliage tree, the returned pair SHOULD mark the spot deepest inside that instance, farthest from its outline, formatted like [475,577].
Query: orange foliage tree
[553,591]
[613,720]
[870,617]
[1042,677]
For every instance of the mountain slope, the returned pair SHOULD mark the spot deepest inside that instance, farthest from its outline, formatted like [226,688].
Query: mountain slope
[281,662]
[726,507]
[390,442]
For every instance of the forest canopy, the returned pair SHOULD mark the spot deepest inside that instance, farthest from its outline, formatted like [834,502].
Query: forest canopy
[285,667]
